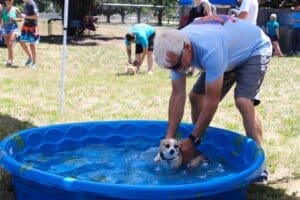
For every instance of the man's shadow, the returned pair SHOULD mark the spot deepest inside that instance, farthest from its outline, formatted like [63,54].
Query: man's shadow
[267,192]
[9,125]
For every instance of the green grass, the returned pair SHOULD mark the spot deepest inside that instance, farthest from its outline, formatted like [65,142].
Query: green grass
[96,89]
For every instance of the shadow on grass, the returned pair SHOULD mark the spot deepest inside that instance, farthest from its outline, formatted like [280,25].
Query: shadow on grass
[9,125]
[85,40]
[267,192]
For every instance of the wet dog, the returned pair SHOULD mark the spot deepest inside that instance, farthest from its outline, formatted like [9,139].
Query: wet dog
[170,153]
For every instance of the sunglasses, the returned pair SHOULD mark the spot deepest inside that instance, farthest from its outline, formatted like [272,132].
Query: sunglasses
[178,64]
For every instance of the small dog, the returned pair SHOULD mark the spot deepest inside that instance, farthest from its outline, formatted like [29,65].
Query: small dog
[131,70]
[170,153]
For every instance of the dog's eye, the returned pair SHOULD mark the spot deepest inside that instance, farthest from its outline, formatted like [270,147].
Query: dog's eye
[167,145]
[175,146]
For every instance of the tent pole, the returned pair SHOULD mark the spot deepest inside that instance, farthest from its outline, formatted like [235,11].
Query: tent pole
[64,53]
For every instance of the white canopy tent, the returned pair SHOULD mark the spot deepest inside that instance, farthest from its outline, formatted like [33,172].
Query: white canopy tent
[64,53]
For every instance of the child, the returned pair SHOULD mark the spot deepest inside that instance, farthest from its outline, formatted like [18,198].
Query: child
[30,33]
[273,32]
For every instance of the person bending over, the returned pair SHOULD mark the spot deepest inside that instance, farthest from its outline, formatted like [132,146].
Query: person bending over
[210,44]
[143,36]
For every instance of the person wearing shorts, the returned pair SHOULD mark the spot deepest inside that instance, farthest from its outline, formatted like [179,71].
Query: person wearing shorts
[216,45]
[143,36]
[29,32]
[272,31]
[10,31]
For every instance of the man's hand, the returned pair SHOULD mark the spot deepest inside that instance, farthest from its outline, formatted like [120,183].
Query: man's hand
[136,63]
[188,150]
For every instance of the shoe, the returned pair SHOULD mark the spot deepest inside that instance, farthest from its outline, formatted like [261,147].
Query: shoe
[9,63]
[33,66]
[262,179]
[28,62]
[150,72]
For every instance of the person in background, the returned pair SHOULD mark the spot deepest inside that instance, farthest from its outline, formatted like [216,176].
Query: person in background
[296,31]
[248,10]
[9,17]
[210,44]
[143,36]
[200,8]
[29,32]
[272,31]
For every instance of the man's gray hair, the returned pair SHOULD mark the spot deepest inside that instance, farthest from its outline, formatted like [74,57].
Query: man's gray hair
[168,41]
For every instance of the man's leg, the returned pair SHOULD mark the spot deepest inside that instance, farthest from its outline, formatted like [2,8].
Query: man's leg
[150,61]
[249,79]
[251,119]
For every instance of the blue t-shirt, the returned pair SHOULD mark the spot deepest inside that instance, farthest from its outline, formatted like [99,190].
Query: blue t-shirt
[220,43]
[272,27]
[296,17]
[142,33]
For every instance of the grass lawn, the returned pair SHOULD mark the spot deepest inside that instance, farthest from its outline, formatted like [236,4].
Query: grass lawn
[97,89]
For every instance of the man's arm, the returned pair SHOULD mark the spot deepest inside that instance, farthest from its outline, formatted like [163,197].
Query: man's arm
[128,50]
[176,105]
[144,53]
[244,9]
[212,99]
[242,15]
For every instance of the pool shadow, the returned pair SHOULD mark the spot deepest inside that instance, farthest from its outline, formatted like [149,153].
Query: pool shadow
[9,125]
[268,192]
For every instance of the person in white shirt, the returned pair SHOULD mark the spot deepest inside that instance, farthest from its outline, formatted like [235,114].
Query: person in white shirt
[248,10]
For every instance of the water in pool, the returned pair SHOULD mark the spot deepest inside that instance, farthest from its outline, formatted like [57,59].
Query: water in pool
[128,162]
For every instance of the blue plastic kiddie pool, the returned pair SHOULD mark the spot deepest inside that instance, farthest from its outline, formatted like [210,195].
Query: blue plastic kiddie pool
[114,160]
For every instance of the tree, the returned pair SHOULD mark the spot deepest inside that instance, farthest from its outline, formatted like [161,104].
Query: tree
[279,3]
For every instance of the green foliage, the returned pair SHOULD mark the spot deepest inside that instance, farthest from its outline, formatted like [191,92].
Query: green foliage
[280,3]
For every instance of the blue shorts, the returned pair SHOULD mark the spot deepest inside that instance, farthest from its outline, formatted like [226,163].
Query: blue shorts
[9,28]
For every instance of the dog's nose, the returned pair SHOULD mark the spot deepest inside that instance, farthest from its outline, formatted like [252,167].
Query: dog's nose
[171,151]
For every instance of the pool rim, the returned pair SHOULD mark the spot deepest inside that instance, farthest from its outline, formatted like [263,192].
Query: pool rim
[207,187]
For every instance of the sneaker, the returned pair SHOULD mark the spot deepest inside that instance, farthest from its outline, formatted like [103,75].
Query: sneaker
[28,62]
[150,72]
[262,179]
[33,66]
[9,63]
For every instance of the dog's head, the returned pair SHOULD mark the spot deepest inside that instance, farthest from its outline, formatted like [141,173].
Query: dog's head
[170,148]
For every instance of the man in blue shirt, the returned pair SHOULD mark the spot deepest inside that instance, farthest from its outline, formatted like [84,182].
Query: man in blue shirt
[229,50]
[143,36]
